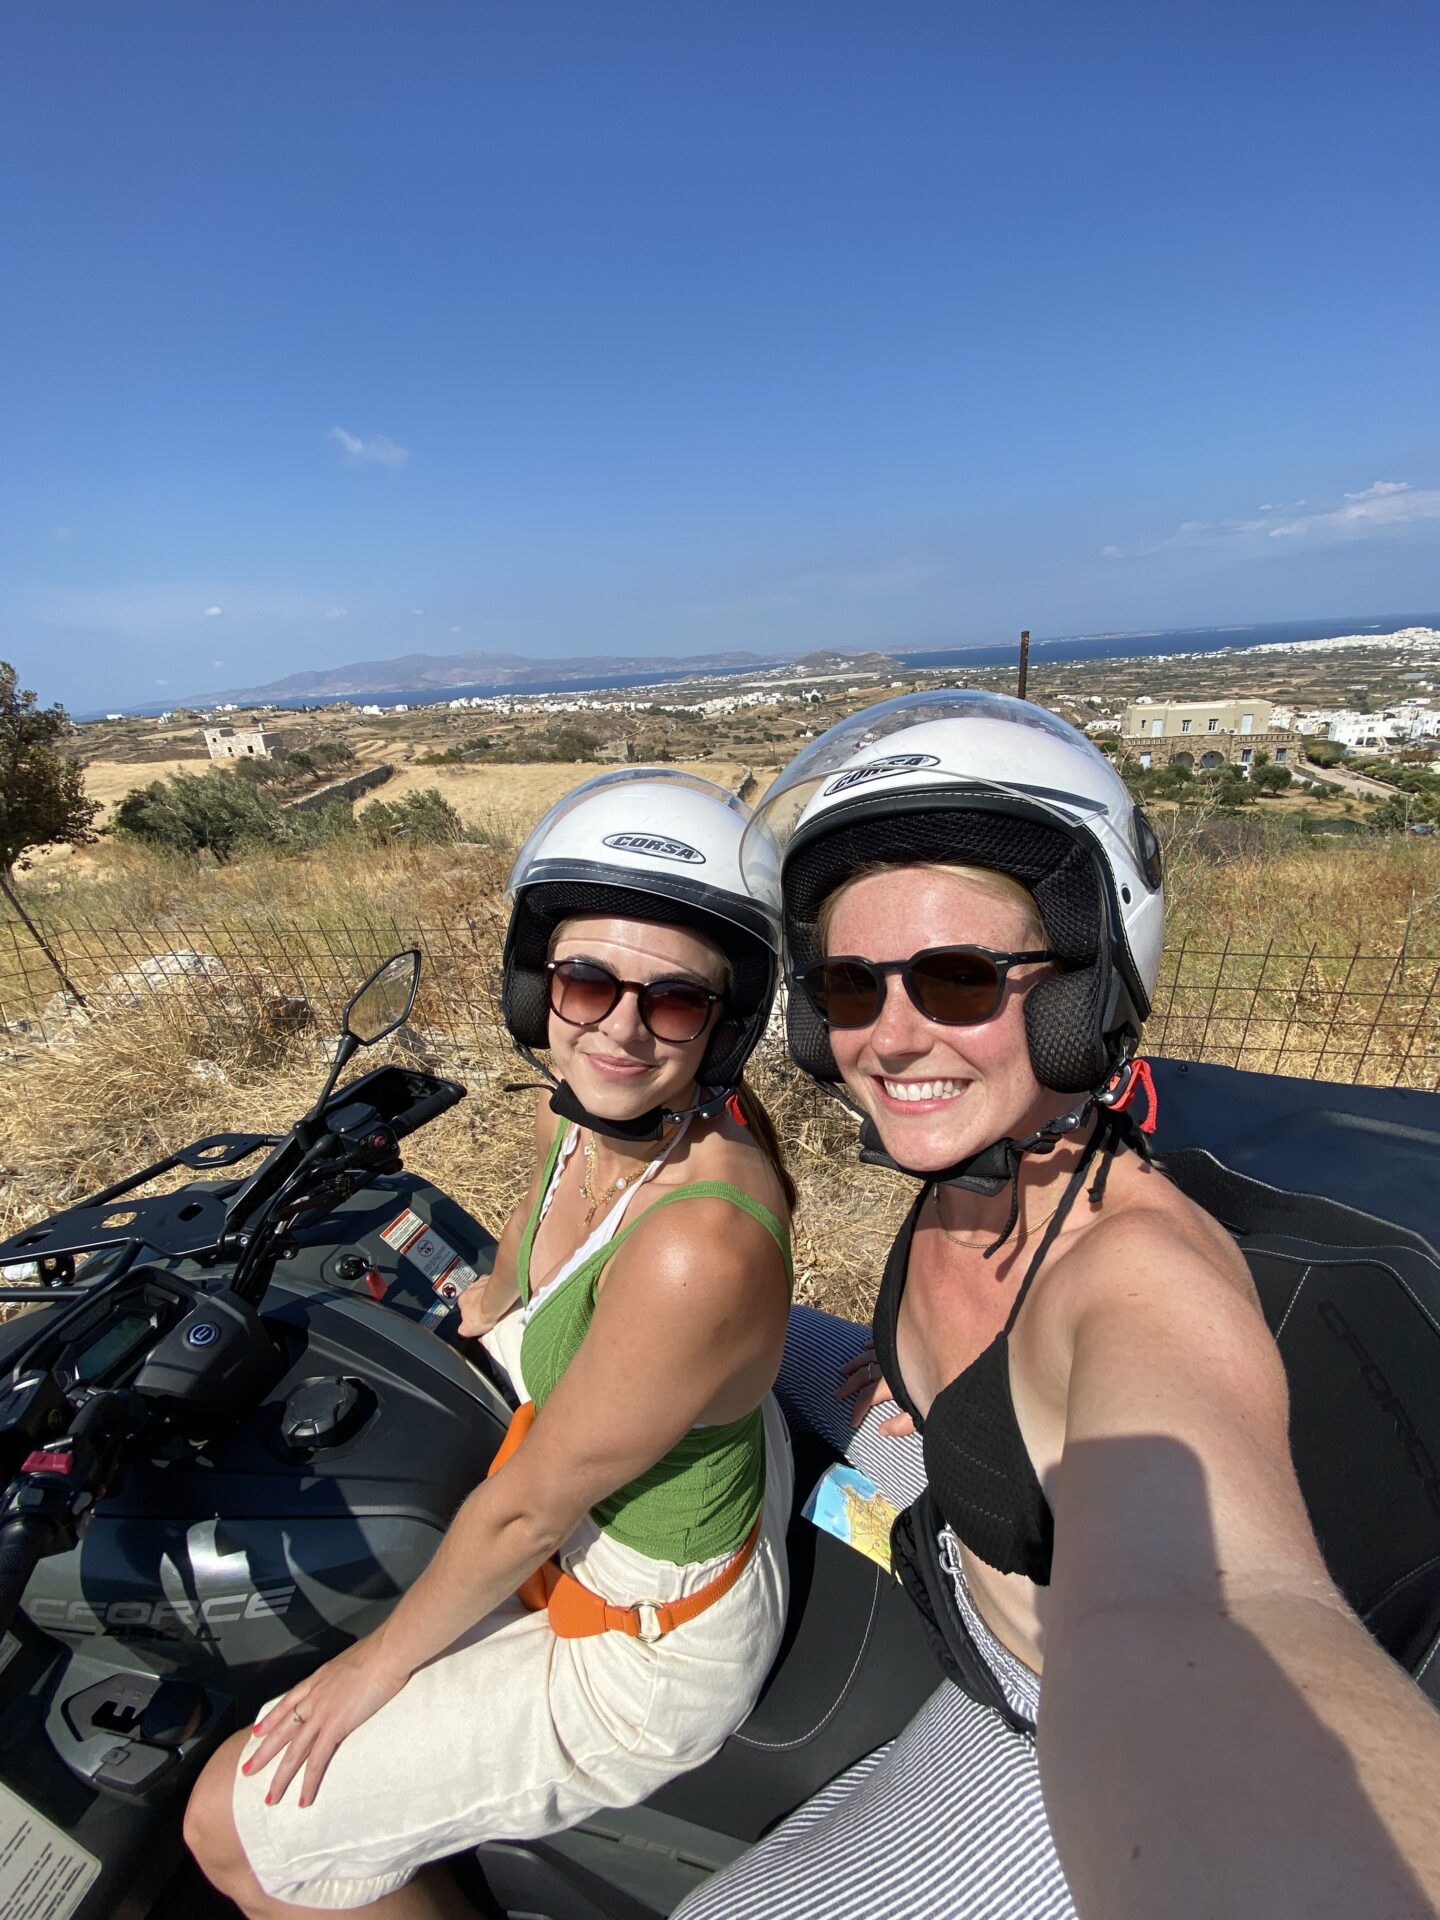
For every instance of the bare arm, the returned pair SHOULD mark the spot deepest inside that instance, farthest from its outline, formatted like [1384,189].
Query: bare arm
[1218,1733]
[694,1309]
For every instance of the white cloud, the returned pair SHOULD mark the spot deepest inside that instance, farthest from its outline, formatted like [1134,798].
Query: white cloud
[454,629]
[217,663]
[213,613]
[62,533]
[1389,503]
[1377,490]
[418,611]
[375,448]
[1374,511]
[336,613]
[1266,506]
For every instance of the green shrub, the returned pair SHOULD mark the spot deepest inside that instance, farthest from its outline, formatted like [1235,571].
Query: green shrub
[421,819]
[1271,780]
[573,743]
[210,812]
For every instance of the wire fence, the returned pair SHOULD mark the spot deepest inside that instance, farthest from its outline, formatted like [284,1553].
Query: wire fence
[1326,1014]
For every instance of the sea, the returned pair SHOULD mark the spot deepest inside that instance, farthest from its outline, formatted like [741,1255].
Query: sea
[1043,650]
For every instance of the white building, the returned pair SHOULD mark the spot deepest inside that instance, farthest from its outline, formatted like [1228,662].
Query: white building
[238,743]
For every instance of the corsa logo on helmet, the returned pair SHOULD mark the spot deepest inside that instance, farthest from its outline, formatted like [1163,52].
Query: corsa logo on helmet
[878,769]
[657,846]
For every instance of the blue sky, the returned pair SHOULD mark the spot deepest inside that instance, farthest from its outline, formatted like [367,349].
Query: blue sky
[344,330]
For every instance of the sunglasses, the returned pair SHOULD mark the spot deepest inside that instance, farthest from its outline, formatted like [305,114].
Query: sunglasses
[582,993]
[954,986]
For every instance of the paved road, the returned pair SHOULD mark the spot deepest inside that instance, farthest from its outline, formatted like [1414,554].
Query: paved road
[1359,784]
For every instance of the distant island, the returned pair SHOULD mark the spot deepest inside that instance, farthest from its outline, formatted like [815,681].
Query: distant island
[425,678]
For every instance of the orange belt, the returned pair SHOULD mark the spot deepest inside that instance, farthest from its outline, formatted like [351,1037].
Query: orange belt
[575,1611]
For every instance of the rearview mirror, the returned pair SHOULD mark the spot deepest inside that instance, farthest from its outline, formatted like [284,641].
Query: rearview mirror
[385,1000]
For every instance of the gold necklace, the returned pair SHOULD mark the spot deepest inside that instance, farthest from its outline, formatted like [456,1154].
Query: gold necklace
[595,1201]
[986,1239]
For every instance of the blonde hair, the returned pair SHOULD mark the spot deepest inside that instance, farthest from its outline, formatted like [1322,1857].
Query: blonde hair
[1002,886]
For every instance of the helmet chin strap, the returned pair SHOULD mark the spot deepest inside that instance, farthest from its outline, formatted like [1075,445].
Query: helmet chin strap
[993,1168]
[646,1126]
[997,1166]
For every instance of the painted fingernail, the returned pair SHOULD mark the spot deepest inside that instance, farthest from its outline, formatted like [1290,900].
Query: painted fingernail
[247,1766]
[269,1799]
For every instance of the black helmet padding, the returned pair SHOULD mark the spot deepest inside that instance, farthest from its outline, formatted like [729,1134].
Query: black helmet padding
[538,910]
[1064,1016]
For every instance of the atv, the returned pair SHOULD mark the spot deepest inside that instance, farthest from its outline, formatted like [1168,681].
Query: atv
[236,1416]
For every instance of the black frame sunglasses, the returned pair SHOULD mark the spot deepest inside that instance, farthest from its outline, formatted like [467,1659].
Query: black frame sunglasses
[680,1005]
[953,986]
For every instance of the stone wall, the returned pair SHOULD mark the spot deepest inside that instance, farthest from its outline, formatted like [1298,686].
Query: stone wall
[350,789]
[1200,751]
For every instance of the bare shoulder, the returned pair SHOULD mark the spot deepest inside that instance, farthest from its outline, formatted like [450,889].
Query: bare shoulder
[1160,1268]
[1149,1231]
[706,1246]
[725,1150]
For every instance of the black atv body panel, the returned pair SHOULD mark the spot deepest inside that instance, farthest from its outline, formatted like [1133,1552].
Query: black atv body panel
[1373,1151]
[232,1569]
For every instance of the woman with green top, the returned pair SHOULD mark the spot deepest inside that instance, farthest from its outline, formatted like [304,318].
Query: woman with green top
[605,1606]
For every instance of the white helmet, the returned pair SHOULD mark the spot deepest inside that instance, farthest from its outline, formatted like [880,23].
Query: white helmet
[650,843]
[988,781]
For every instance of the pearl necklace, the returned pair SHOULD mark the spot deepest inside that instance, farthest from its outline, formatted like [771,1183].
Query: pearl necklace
[594,1201]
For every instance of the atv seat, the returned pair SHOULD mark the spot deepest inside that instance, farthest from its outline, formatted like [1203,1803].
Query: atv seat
[853,1667]
[1359,1331]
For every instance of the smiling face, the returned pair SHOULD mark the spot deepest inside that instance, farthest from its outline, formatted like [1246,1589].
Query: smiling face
[938,1093]
[616,1067]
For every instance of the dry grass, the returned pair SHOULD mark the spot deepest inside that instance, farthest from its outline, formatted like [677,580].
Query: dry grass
[1250,980]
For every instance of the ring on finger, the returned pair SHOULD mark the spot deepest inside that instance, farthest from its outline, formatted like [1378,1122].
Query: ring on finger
[297,1716]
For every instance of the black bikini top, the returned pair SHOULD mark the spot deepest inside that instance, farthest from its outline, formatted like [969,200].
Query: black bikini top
[980,1474]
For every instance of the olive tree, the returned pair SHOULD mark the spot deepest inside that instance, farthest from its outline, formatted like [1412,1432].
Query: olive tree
[42,790]
[43,802]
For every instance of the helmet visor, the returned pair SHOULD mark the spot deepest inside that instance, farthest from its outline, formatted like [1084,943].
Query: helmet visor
[866,756]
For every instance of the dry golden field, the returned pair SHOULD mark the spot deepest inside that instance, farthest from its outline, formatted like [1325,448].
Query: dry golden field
[1313,958]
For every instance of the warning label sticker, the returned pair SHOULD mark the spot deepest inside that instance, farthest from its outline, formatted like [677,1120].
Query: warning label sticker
[453,1282]
[404,1228]
[432,1255]
[43,1874]
[431,1252]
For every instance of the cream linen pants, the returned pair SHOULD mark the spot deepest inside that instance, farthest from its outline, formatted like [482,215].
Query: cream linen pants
[513,1733]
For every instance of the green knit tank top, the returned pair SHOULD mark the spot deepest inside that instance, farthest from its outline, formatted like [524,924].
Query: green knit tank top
[701,1499]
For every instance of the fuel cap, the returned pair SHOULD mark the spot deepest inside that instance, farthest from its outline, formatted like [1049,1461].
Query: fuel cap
[322,1413]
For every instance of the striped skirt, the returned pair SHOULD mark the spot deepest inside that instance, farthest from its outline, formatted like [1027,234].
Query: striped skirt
[947,1821]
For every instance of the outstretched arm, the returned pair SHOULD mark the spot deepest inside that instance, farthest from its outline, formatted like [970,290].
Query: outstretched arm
[1218,1734]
